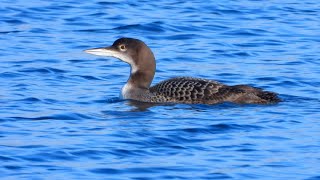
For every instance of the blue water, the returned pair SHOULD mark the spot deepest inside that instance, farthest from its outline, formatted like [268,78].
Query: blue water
[61,118]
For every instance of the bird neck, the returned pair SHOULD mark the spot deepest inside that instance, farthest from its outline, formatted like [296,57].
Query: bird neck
[142,69]
[137,85]
[141,78]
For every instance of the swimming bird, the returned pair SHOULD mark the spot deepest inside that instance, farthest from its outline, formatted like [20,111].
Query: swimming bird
[188,90]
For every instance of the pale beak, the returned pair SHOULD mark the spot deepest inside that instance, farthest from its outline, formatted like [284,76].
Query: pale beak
[105,51]
[110,52]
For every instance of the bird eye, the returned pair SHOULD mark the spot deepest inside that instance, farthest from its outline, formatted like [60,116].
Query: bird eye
[122,47]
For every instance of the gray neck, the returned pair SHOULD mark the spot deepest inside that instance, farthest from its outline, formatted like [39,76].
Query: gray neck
[141,79]
[141,76]
[143,68]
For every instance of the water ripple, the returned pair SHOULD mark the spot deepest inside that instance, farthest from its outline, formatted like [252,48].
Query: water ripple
[61,116]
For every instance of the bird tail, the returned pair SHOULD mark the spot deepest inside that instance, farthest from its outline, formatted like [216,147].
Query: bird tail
[270,97]
[263,97]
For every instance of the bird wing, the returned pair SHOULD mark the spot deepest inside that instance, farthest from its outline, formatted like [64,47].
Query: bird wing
[192,90]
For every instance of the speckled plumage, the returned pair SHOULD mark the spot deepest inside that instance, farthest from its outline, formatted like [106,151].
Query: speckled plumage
[196,90]
[184,89]
[176,90]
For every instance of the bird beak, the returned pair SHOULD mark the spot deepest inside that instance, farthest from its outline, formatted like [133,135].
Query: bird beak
[110,52]
[105,51]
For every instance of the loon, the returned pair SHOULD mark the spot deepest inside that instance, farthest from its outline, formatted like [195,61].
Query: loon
[187,90]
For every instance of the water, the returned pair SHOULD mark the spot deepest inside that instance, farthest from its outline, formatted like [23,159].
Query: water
[61,118]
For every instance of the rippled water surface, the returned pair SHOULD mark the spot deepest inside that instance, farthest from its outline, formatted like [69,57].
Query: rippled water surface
[61,118]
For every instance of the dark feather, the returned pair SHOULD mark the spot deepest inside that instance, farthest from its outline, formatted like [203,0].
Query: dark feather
[196,90]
